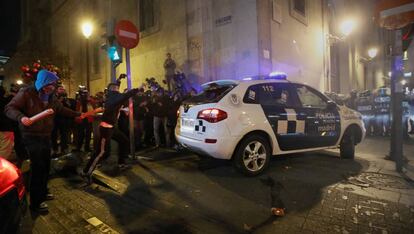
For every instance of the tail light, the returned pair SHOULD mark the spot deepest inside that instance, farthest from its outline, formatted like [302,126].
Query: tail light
[212,115]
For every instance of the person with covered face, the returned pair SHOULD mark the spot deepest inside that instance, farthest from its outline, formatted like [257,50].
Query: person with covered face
[30,101]
[108,130]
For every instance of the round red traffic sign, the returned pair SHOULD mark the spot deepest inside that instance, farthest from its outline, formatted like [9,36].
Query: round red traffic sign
[394,14]
[127,34]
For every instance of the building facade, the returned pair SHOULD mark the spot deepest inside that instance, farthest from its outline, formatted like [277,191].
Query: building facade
[214,39]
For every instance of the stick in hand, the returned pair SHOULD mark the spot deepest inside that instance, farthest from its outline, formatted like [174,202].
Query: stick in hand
[29,121]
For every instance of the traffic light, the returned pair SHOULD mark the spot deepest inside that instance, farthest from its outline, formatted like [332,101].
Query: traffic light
[115,53]
[112,48]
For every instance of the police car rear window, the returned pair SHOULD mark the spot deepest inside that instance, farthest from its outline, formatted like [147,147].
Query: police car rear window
[212,92]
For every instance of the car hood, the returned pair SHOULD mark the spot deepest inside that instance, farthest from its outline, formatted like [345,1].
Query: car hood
[348,113]
[8,176]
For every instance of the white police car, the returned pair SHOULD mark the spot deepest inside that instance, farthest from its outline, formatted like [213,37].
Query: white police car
[250,120]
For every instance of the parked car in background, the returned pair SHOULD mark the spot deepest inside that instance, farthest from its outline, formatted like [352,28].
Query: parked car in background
[12,197]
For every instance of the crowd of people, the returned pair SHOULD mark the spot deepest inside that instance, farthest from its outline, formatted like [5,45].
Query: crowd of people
[69,124]
[375,108]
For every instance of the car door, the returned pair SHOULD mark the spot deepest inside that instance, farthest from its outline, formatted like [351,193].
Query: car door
[322,123]
[279,105]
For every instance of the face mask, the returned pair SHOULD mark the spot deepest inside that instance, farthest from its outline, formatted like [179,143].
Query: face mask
[44,97]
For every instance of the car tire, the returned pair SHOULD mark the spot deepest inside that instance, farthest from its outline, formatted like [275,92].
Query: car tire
[347,146]
[252,155]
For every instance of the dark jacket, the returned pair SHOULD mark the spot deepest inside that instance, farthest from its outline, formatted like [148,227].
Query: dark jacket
[140,111]
[113,104]
[27,103]
[159,106]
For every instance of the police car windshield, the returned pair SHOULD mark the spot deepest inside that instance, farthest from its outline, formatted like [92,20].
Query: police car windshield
[212,92]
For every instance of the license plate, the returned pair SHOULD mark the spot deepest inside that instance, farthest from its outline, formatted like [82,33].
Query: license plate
[187,122]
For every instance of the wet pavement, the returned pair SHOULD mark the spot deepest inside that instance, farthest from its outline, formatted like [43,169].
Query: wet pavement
[182,193]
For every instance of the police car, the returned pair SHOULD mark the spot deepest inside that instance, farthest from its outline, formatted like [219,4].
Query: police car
[250,120]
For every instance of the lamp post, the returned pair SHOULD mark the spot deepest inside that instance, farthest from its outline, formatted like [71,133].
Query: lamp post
[372,52]
[87,29]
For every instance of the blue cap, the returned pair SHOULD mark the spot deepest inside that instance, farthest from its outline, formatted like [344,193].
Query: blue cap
[45,77]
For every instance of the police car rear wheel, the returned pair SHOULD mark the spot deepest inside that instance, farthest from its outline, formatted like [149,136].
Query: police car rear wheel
[347,147]
[252,155]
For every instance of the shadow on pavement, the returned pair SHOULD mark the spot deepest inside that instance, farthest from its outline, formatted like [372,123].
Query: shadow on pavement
[295,182]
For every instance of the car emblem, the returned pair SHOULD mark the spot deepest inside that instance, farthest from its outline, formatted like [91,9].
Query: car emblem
[186,107]
[234,99]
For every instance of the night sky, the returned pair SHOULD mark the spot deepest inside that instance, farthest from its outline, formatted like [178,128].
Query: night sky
[9,26]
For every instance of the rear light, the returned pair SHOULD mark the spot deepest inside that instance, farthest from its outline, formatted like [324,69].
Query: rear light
[212,115]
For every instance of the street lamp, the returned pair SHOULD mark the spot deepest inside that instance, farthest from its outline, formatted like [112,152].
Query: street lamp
[19,82]
[347,26]
[372,52]
[87,29]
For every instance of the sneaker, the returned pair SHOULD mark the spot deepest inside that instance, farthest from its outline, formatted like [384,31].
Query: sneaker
[50,196]
[42,208]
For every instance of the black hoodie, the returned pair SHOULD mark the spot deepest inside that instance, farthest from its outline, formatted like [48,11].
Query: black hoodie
[113,104]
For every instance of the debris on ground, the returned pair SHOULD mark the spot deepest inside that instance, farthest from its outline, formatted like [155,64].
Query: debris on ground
[280,212]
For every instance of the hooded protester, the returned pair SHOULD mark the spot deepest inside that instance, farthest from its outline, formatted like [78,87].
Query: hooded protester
[28,102]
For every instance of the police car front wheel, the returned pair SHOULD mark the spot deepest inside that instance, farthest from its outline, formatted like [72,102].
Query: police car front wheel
[252,155]
[347,147]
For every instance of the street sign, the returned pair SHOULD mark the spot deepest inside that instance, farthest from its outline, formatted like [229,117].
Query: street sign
[127,34]
[395,14]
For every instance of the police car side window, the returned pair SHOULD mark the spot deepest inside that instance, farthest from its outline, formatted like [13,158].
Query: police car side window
[251,95]
[309,98]
[274,94]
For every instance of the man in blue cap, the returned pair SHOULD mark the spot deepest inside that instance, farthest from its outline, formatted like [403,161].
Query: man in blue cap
[28,102]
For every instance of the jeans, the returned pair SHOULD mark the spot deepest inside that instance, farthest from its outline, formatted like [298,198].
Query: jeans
[61,128]
[139,132]
[157,122]
[84,135]
[38,148]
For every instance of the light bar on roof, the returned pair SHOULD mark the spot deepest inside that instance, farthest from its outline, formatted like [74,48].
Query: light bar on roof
[278,75]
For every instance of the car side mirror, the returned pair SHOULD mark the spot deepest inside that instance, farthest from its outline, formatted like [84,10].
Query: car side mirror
[331,105]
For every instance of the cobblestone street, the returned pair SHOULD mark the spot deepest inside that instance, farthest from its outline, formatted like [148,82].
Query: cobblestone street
[181,193]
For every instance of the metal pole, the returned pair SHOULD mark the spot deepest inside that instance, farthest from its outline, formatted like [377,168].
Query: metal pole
[87,66]
[131,106]
[396,95]
[113,72]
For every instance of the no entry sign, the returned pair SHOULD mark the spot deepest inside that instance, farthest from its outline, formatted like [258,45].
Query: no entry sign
[395,14]
[127,34]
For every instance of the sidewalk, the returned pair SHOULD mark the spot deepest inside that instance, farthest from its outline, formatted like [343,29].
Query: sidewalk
[378,147]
